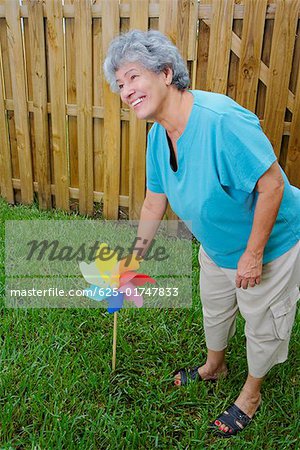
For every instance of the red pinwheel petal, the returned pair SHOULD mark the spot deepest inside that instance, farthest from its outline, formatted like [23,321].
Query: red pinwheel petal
[126,277]
[141,278]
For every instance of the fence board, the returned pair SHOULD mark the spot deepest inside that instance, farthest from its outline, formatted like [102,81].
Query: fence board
[71,96]
[83,26]
[19,95]
[234,62]
[251,47]
[192,30]
[168,24]
[168,18]
[137,128]
[202,55]
[110,24]
[39,86]
[98,101]
[8,95]
[280,67]
[125,126]
[58,97]
[29,88]
[219,45]
[293,155]
[5,157]
[182,36]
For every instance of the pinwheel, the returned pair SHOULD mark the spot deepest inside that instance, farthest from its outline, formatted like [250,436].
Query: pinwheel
[114,280]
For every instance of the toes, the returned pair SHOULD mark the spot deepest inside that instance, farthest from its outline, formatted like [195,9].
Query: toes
[222,427]
[177,380]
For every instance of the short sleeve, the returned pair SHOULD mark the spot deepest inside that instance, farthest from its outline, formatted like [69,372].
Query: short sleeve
[244,152]
[152,179]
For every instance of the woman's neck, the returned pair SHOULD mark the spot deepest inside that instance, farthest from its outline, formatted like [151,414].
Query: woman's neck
[176,112]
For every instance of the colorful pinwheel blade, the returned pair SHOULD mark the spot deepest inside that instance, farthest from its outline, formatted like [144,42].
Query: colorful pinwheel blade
[126,277]
[115,302]
[140,279]
[129,264]
[132,294]
[96,293]
[106,262]
[91,274]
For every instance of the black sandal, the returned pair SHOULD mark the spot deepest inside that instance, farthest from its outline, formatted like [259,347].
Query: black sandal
[233,418]
[188,375]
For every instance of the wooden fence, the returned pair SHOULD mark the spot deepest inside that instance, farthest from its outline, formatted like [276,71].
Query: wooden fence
[66,137]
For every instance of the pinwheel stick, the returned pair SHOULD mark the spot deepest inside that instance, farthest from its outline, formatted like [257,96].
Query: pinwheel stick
[114,342]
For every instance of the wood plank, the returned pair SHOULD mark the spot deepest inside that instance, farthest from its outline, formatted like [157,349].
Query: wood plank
[251,47]
[111,102]
[219,45]
[137,128]
[192,30]
[16,61]
[125,126]
[99,154]
[292,167]
[202,55]
[265,64]
[168,19]
[57,97]
[182,37]
[71,96]
[168,25]
[8,95]
[5,155]
[234,64]
[74,193]
[39,86]
[83,26]
[280,68]
[29,69]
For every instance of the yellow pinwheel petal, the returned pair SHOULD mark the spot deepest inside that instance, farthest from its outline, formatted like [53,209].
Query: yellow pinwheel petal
[106,259]
[129,263]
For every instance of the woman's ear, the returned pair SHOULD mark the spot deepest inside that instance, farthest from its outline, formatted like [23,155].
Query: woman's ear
[169,75]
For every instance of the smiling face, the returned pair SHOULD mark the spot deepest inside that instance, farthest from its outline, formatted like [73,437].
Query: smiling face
[142,90]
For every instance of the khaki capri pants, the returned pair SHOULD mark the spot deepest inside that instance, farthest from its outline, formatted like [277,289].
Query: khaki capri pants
[268,308]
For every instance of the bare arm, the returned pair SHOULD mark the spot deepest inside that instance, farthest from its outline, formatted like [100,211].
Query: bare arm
[152,212]
[270,191]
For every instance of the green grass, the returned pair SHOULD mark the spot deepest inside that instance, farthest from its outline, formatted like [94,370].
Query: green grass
[57,390]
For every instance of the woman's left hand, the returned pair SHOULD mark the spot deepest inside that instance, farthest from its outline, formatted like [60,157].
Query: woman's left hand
[249,270]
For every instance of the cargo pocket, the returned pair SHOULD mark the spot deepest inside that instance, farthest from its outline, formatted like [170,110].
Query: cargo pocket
[283,317]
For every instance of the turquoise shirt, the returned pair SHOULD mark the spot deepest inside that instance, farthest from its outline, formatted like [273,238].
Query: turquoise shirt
[221,155]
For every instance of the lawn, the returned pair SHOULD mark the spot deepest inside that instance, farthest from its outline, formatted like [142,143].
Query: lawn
[57,390]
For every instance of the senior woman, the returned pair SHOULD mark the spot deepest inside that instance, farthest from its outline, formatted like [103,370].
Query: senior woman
[209,157]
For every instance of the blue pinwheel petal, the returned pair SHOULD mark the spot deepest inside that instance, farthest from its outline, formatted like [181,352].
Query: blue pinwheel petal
[115,302]
[96,293]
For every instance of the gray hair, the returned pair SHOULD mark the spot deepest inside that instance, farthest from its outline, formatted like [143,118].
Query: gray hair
[151,49]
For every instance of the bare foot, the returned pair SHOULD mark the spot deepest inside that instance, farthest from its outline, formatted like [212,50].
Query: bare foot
[206,373]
